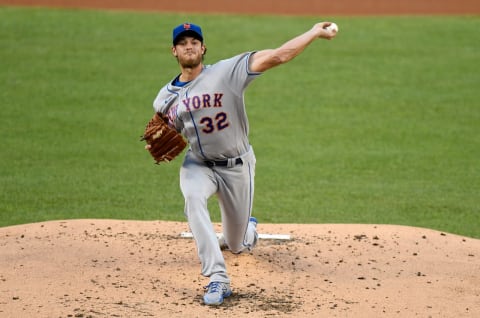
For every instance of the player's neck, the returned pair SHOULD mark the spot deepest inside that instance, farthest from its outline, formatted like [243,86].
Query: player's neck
[190,73]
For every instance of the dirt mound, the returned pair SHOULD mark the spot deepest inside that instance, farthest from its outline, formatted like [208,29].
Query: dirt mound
[98,268]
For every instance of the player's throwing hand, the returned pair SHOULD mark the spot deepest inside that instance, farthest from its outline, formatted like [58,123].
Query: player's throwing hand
[326,30]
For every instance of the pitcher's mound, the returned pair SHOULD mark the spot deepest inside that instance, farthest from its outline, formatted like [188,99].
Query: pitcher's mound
[110,268]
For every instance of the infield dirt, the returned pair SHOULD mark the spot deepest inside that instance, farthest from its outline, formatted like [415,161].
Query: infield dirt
[111,268]
[284,7]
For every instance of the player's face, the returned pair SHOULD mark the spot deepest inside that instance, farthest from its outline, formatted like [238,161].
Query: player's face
[189,52]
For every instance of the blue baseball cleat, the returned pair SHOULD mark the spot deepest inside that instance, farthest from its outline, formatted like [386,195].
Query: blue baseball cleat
[216,293]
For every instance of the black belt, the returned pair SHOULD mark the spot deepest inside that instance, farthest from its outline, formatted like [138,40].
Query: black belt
[222,163]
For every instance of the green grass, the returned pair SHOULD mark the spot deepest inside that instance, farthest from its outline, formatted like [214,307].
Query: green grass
[381,125]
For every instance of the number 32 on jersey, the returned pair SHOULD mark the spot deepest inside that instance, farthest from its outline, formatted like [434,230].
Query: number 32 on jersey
[216,123]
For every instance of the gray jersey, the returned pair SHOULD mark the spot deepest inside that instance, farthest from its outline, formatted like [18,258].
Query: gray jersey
[210,110]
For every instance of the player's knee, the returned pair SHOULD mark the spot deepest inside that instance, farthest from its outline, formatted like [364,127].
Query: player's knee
[237,248]
[237,251]
[195,203]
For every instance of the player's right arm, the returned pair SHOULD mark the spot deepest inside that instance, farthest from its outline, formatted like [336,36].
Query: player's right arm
[264,60]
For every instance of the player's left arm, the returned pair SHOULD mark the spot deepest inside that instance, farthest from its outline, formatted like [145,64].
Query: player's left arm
[264,60]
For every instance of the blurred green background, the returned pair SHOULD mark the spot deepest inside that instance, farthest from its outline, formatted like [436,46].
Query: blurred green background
[380,125]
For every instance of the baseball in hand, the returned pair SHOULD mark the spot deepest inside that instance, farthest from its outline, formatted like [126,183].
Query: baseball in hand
[332,27]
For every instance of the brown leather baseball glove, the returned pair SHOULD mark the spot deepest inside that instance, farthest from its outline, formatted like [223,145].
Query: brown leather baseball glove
[163,142]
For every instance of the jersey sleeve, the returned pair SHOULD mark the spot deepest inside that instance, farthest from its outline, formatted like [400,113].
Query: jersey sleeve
[166,103]
[166,98]
[241,75]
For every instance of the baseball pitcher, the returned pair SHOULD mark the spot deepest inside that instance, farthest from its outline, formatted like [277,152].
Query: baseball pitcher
[205,103]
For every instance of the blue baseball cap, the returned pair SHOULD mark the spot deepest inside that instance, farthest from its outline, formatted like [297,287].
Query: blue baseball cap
[187,29]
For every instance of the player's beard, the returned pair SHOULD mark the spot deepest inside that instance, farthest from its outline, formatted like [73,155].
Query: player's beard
[192,61]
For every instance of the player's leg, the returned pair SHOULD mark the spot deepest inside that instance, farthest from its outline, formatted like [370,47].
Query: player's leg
[198,184]
[235,193]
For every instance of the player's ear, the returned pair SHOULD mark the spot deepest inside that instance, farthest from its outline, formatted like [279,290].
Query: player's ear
[174,51]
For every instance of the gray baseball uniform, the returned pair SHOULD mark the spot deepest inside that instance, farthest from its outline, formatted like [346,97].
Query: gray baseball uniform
[210,113]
